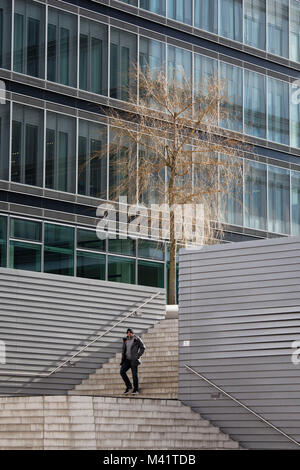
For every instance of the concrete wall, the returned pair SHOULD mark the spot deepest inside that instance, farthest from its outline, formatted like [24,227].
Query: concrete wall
[46,318]
[239,306]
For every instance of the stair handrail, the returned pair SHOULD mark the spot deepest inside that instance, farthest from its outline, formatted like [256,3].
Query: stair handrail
[103,334]
[69,360]
[242,404]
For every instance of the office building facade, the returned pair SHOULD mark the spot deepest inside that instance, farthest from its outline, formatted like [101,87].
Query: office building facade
[62,63]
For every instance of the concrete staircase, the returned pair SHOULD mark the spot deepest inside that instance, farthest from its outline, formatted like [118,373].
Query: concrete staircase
[86,422]
[158,373]
[96,415]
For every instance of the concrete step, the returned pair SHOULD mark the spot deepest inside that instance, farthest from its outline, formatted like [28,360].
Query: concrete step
[117,380]
[83,422]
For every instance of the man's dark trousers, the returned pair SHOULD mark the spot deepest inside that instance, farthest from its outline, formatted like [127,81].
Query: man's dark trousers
[133,365]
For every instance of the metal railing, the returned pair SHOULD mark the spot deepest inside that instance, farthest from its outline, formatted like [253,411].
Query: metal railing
[243,405]
[70,360]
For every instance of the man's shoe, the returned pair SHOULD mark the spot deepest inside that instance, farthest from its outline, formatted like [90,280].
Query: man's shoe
[127,390]
[135,392]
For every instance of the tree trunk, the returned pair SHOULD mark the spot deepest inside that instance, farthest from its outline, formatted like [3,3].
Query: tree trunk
[172,268]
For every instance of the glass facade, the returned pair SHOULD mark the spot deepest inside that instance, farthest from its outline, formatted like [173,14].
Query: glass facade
[90,265]
[67,151]
[233,107]
[62,48]
[155,6]
[279,199]
[3,241]
[206,15]
[278,31]
[179,64]
[93,57]
[5,33]
[294,30]
[85,48]
[255,23]
[255,198]
[271,25]
[123,53]
[255,120]
[121,269]
[231,201]
[59,249]
[295,202]
[231,19]
[29,42]
[180,10]
[60,152]
[92,161]
[278,111]
[27,145]
[49,247]
[4,140]
[151,274]
[25,256]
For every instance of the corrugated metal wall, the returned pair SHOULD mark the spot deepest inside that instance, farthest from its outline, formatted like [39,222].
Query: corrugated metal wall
[239,306]
[46,318]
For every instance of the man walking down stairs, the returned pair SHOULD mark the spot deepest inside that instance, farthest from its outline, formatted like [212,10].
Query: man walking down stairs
[158,376]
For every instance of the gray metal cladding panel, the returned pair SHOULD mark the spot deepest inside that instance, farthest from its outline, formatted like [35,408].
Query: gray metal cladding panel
[239,308]
[47,318]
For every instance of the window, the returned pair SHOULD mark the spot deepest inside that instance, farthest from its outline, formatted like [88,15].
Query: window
[122,167]
[151,189]
[255,195]
[231,19]
[130,2]
[152,54]
[295,30]
[295,202]
[278,111]
[5,33]
[180,10]
[60,153]
[151,250]
[92,159]
[29,43]
[26,229]
[156,6]
[59,249]
[121,246]
[123,55]
[88,240]
[295,116]
[255,23]
[121,269]
[93,57]
[255,104]
[278,27]
[206,15]
[24,255]
[90,265]
[3,240]
[4,140]
[179,64]
[231,192]
[205,70]
[27,145]
[232,110]
[62,48]
[150,274]
[279,200]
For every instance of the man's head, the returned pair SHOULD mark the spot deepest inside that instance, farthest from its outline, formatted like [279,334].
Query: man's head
[129,332]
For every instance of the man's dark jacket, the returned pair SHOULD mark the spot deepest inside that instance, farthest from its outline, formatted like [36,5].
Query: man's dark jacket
[137,349]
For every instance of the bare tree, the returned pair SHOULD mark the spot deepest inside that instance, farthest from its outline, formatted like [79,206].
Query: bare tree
[174,145]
